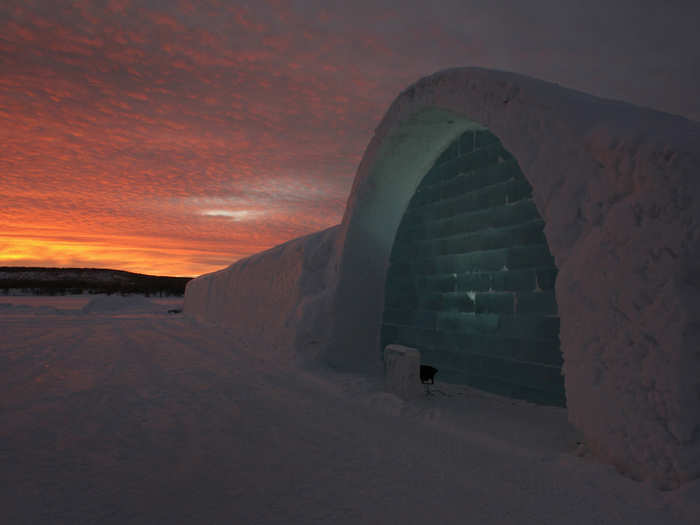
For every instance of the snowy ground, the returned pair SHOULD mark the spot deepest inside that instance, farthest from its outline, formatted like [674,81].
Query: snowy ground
[74,302]
[128,414]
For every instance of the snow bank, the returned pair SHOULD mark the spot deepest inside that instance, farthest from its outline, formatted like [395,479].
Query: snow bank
[277,299]
[618,188]
[121,304]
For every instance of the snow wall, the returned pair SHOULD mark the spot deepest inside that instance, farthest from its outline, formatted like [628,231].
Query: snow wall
[278,300]
[619,190]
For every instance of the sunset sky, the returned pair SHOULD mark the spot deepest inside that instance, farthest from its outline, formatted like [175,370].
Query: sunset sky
[177,136]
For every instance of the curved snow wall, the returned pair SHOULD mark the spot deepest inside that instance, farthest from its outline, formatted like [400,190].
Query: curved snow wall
[471,279]
[618,189]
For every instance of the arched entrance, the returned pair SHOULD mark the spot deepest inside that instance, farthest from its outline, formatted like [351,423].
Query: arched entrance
[471,278]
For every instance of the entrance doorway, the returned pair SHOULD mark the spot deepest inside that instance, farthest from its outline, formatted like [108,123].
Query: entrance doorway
[471,278]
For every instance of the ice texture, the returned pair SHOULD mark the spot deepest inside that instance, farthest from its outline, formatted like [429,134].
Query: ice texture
[618,188]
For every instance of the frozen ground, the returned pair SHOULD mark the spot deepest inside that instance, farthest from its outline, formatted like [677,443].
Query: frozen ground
[131,415]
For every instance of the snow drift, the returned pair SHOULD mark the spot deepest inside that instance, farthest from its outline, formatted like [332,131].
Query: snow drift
[618,188]
[115,304]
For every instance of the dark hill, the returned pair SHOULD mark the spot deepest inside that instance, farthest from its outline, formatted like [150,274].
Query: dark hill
[60,281]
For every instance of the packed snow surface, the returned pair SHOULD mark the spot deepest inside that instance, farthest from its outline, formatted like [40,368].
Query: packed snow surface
[159,418]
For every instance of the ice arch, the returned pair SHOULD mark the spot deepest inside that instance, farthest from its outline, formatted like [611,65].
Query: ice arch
[471,278]
[618,189]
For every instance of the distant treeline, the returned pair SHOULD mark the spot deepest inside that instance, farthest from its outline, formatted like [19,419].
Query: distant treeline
[64,281]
